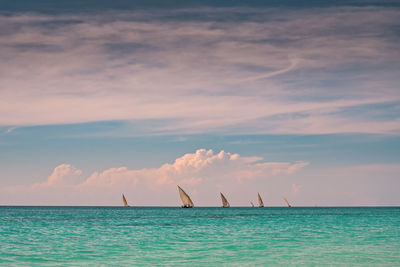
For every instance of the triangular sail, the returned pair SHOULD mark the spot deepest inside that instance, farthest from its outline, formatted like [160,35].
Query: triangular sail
[187,202]
[287,203]
[124,201]
[260,202]
[225,202]
[252,204]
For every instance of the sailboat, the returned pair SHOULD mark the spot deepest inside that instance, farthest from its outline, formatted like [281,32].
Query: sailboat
[252,205]
[187,202]
[124,201]
[287,203]
[225,203]
[260,202]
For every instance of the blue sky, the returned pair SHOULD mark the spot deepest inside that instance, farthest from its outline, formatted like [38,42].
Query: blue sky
[101,97]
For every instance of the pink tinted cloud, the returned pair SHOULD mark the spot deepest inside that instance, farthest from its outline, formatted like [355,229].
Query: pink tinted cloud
[202,170]
[232,74]
[64,174]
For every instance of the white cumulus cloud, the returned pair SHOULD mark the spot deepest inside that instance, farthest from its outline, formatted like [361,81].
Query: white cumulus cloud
[64,174]
[203,173]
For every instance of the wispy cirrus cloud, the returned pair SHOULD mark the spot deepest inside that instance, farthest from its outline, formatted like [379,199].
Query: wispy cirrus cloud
[199,172]
[200,74]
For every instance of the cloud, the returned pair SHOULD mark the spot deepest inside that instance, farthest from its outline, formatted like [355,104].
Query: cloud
[292,65]
[204,75]
[10,130]
[195,168]
[64,174]
[199,172]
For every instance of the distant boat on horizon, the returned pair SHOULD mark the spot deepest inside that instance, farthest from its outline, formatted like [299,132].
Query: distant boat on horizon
[124,201]
[287,203]
[225,203]
[260,202]
[252,204]
[186,201]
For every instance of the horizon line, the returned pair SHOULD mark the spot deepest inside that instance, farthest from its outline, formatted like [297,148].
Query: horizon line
[178,206]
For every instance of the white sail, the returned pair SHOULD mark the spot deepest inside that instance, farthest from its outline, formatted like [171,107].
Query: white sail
[287,203]
[124,201]
[252,204]
[260,202]
[225,202]
[187,202]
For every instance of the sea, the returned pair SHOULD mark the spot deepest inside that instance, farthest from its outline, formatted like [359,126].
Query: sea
[201,236]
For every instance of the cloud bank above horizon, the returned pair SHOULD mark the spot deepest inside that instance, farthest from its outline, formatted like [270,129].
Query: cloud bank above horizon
[258,71]
[202,173]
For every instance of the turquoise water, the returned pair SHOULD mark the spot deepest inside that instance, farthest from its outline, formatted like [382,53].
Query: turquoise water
[199,236]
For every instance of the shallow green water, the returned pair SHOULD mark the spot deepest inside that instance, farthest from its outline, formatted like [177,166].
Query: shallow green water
[199,236]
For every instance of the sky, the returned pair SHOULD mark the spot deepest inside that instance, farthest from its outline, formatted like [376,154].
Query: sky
[289,99]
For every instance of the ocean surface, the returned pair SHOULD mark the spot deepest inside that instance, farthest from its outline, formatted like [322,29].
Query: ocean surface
[135,236]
